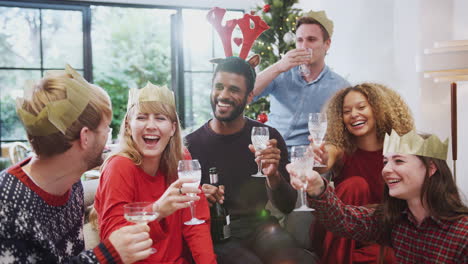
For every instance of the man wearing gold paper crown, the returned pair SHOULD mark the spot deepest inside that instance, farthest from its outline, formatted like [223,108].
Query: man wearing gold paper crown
[422,216]
[41,198]
[224,142]
[294,93]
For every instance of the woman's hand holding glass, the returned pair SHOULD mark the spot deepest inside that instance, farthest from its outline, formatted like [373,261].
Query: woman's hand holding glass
[190,169]
[313,183]
[174,198]
[317,128]
[320,153]
[302,159]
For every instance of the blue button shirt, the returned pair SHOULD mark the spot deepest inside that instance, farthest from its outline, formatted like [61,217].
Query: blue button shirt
[292,99]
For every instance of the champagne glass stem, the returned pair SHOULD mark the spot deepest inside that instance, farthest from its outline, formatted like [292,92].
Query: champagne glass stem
[192,209]
[303,197]
[259,163]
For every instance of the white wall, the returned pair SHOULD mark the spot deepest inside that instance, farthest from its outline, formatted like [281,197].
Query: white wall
[460,31]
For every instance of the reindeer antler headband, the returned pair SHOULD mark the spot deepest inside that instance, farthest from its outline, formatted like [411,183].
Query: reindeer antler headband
[215,16]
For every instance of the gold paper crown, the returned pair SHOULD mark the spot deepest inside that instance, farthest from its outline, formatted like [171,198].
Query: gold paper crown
[414,144]
[151,93]
[56,115]
[322,18]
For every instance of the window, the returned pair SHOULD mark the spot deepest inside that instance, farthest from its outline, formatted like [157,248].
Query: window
[117,47]
[34,39]
[131,46]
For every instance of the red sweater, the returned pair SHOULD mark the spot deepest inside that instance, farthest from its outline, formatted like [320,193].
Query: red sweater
[366,164]
[123,182]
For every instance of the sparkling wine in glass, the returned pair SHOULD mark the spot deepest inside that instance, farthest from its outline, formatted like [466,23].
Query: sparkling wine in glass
[140,213]
[191,169]
[260,137]
[317,129]
[303,161]
[303,68]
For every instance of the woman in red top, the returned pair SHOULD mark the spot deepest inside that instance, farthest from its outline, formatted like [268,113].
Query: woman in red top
[358,118]
[145,169]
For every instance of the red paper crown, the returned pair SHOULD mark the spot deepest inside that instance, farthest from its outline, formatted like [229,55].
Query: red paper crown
[215,16]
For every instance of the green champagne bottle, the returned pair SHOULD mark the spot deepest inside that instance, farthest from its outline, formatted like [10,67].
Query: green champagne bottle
[220,229]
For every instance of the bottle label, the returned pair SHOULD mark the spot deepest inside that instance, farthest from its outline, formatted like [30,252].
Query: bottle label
[227,231]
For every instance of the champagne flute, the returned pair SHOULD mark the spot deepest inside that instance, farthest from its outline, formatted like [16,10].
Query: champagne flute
[317,129]
[260,136]
[140,213]
[191,169]
[303,161]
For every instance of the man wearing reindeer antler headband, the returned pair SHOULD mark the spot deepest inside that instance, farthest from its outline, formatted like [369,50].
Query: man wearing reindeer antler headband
[224,142]
[300,83]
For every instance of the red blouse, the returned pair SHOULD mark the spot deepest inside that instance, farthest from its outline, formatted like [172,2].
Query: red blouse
[123,182]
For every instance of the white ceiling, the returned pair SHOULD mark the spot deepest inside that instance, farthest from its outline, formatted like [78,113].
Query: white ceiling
[235,4]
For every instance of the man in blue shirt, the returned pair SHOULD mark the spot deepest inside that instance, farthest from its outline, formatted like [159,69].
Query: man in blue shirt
[295,93]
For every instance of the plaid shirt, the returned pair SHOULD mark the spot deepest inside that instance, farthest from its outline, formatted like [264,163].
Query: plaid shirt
[433,241]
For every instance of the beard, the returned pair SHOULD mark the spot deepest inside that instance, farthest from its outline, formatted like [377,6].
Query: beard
[94,158]
[236,112]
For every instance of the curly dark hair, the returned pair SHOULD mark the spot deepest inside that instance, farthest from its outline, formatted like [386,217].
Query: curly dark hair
[389,109]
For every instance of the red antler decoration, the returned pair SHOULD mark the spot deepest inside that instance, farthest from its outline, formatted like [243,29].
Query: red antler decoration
[250,34]
[215,16]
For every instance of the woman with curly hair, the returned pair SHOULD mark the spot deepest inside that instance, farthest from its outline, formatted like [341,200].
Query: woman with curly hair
[358,119]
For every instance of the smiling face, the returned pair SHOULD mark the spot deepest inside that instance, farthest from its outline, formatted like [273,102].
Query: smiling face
[228,96]
[151,133]
[404,175]
[358,116]
[310,36]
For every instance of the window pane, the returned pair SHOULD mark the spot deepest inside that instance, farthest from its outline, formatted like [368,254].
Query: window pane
[131,46]
[198,38]
[19,37]
[197,99]
[62,35]
[11,86]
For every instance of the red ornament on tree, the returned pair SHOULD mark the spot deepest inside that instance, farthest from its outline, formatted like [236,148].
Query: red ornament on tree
[266,8]
[262,118]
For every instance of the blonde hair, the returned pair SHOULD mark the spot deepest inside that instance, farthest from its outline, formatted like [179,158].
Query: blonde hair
[389,109]
[51,89]
[173,151]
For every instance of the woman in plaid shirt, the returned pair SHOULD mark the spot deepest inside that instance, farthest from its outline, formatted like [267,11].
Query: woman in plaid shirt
[422,216]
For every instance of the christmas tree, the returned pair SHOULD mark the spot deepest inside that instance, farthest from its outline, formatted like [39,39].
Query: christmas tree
[281,17]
